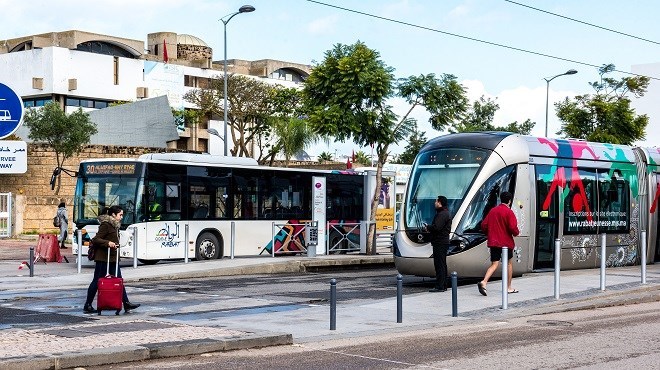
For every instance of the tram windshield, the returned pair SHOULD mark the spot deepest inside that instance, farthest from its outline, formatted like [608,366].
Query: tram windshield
[446,171]
[105,185]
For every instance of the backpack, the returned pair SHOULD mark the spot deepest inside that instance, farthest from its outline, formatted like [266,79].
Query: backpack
[56,221]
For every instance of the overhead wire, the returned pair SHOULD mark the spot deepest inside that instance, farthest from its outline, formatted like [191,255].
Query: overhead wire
[475,39]
[583,22]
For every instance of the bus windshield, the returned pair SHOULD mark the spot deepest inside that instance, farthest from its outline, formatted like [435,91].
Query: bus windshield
[446,171]
[105,185]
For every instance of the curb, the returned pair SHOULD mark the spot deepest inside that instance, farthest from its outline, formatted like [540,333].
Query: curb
[297,266]
[151,351]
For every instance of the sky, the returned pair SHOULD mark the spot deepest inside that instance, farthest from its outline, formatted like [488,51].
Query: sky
[421,37]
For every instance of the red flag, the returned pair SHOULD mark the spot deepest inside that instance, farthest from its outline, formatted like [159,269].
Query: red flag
[349,165]
[164,51]
[353,156]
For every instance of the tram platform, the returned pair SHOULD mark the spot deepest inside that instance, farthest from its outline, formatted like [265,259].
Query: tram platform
[70,339]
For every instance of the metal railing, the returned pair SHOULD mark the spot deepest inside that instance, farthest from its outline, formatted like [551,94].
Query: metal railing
[342,232]
[603,260]
[286,234]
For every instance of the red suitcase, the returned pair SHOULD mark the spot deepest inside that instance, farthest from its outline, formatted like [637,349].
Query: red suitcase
[111,290]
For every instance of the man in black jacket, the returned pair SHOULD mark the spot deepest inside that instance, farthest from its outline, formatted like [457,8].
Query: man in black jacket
[439,230]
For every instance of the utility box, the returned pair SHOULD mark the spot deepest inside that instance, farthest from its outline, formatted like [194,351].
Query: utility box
[312,237]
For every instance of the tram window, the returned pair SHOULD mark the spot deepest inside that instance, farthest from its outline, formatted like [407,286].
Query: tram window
[614,204]
[486,198]
[580,207]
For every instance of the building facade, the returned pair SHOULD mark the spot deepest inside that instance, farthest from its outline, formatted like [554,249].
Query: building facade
[93,71]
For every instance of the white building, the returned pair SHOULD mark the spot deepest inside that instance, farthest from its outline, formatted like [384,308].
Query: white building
[88,70]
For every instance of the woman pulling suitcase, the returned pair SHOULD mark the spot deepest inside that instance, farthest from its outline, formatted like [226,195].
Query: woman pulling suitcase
[106,238]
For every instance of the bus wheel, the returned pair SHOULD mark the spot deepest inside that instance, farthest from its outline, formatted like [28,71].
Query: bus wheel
[208,247]
[148,262]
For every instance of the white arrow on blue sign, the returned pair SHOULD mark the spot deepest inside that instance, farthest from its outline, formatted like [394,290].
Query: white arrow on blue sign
[11,111]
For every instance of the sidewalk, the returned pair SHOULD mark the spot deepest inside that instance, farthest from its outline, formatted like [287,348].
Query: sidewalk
[89,341]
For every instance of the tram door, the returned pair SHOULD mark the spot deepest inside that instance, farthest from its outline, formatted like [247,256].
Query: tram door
[655,205]
[547,216]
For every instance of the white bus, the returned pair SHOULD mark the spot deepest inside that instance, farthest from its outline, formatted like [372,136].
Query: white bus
[162,194]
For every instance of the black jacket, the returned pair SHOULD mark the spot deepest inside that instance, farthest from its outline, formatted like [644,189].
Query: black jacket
[440,227]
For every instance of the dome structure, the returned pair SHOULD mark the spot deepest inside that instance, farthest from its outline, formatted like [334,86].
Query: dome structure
[190,40]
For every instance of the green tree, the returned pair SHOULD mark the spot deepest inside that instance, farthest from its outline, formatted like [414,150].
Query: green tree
[362,158]
[325,157]
[66,134]
[605,116]
[416,141]
[293,135]
[480,118]
[346,94]
[248,99]
[288,132]
[255,107]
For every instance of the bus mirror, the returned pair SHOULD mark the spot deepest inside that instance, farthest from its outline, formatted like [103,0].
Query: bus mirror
[53,177]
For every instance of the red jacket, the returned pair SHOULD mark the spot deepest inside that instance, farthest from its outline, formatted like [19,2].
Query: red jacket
[500,225]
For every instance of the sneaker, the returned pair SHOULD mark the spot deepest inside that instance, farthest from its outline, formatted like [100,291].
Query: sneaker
[89,308]
[128,306]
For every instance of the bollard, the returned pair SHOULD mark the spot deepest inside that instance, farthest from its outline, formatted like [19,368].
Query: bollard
[80,248]
[399,298]
[557,266]
[135,245]
[272,246]
[603,252]
[505,278]
[31,261]
[233,240]
[333,304]
[186,244]
[454,294]
[643,256]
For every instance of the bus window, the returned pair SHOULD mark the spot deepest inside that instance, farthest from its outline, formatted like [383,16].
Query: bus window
[248,187]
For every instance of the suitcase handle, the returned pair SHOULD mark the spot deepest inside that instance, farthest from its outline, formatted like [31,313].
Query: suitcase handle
[107,270]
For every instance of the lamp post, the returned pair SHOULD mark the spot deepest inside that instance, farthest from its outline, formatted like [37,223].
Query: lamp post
[243,9]
[547,94]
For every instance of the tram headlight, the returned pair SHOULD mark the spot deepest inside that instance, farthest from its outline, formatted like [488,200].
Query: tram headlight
[461,243]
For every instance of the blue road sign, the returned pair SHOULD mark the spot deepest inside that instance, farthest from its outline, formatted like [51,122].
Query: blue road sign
[11,111]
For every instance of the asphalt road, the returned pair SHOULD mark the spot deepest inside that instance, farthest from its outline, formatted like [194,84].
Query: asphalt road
[195,301]
[622,337]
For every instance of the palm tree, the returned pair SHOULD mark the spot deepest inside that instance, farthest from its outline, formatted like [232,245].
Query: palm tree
[325,157]
[362,158]
[293,135]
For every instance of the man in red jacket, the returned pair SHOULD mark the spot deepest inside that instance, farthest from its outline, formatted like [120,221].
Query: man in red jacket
[500,225]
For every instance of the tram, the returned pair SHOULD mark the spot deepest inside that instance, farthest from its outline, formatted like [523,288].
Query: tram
[570,190]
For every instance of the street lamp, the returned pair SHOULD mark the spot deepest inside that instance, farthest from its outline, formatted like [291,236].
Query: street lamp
[215,132]
[243,9]
[547,93]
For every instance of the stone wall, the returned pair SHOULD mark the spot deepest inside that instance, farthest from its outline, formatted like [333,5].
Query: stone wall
[35,203]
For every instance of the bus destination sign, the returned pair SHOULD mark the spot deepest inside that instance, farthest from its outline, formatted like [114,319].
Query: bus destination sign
[110,169]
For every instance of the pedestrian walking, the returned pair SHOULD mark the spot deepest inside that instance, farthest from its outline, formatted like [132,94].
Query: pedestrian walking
[63,221]
[439,229]
[500,226]
[106,237]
